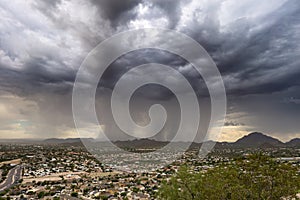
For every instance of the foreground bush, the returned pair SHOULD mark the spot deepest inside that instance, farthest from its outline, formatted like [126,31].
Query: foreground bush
[255,178]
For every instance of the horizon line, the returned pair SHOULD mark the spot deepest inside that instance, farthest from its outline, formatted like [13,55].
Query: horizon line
[65,138]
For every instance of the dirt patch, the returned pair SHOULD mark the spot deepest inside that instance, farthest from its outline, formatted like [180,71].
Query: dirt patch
[56,177]
[14,162]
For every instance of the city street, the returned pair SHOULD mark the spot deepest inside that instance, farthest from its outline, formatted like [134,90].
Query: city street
[13,176]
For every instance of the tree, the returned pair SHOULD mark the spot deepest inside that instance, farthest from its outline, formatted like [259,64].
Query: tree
[257,178]
[74,194]
[41,194]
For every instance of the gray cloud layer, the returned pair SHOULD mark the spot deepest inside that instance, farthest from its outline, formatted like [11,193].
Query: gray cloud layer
[255,45]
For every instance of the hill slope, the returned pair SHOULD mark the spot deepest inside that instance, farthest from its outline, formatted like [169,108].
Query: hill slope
[294,143]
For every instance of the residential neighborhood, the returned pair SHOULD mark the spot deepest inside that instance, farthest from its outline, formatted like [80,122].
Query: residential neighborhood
[69,171]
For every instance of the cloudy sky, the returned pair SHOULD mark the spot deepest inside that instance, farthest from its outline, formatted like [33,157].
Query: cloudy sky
[255,45]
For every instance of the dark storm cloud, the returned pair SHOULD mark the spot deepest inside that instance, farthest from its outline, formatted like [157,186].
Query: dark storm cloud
[247,53]
[136,58]
[38,70]
[253,54]
[171,9]
[140,57]
[255,46]
[117,11]
[244,53]
[36,77]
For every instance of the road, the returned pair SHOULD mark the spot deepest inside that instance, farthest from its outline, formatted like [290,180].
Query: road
[13,176]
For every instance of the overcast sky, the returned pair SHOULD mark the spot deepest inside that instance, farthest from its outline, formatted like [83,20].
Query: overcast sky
[255,44]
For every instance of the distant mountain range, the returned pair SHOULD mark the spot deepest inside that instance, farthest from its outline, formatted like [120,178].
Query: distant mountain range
[253,140]
[67,140]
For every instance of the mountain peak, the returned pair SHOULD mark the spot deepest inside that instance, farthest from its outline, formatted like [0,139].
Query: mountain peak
[294,142]
[257,134]
[257,139]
